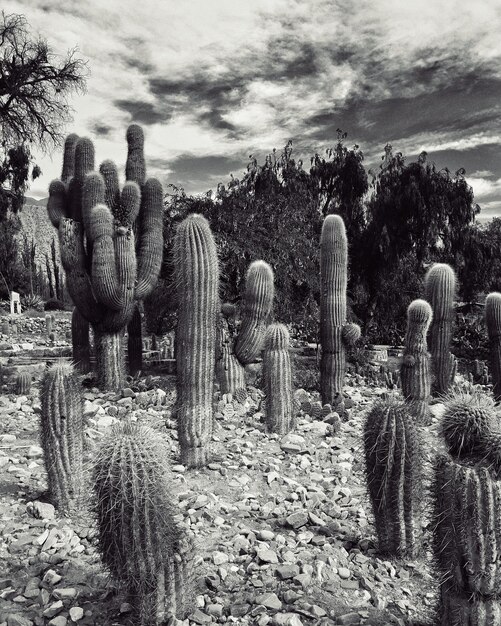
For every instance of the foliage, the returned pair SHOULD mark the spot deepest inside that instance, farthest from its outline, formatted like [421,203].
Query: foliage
[13,276]
[34,85]
[54,305]
[470,340]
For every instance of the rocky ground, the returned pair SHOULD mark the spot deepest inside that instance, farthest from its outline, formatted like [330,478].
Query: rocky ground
[283,525]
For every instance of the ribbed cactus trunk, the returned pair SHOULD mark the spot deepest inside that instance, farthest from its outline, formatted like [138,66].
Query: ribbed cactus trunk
[80,342]
[440,285]
[61,430]
[393,470]
[140,542]
[197,279]
[415,368]
[493,320]
[335,333]
[23,384]
[110,359]
[135,344]
[230,373]
[278,380]
[257,311]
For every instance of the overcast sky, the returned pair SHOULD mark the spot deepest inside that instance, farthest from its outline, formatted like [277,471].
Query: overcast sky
[213,81]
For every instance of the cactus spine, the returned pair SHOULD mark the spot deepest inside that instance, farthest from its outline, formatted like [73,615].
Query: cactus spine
[23,384]
[415,368]
[493,320]
[197,280]
[440,285]
[278,380]
[107,273]
[335,333]
[258,305]
[393,470]
[62,434]
[145,549]
[135,344]
[80,342]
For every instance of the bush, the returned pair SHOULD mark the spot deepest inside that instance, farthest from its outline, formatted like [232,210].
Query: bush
[54,305]
[470,340]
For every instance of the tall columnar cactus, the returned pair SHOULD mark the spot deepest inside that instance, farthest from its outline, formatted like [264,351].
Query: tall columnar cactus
[493,320]
[257,310]
[135,344]
[335,333]
[278,380]
[107,270]
[393,470]
[440,285]
[197,279]
[230,373]
[80,342]
[49,324]
[61,429]
[140,542]
[415,368]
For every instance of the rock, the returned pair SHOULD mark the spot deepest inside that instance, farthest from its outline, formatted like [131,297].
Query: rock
[64,593]
[284,572]
[76,613]
[43,510]
[344,573]
[270,601]
[32,589]
[200,618]
[348,618]
[287,619]
[34,452]
[267,556]
[60,620]
[53,609]
[296,520]
[51,577]
[18,620]
[218,558]
[265,535]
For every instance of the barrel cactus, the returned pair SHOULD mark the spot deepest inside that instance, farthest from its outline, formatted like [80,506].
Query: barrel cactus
[335,333]
[493,320]
[61,429]
[415,368]
[23,383]
[197,279]
[141,543]
[278,380]
[394,473]
[440,285]
[466,510]
[111,244]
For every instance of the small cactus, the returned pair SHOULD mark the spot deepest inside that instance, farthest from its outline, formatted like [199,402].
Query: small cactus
[61,429]
[23,384]
[493,319]
[393,470]
[415,368]
[257,311]
[49,324]
[140,542]
[440,285]
[197,279]
[278,380]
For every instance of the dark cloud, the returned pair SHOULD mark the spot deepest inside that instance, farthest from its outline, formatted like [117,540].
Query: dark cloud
[102,130]
[143,112]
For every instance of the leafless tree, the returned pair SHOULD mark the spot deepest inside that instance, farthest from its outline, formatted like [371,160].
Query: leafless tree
[34,86]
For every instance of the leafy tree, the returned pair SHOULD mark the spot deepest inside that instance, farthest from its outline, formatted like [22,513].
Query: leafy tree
[417,213]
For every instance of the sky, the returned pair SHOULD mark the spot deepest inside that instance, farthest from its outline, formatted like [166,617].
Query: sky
[214,81]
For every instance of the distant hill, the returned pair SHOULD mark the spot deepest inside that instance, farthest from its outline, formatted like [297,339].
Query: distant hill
[32,202]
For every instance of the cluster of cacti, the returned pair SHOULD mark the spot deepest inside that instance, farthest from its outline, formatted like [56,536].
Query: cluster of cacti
[393,470]
[480,373]
[415,368]
[197,281]
[493,320]
[110,241]
[277,379]
[440,286]
[61,430]
[140,542]
[237,350]
[23,383]
[335,333]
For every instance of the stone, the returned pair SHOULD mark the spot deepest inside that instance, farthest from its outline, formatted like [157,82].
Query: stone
[53,609]
[64,593]
[270,601]
[43,510]
[218,558]
[287,619]
[297,520]
[60,620]
[199,617]
[34,452]
[267,556]
[284,572]
[14,619]
[76,613]
[344,573]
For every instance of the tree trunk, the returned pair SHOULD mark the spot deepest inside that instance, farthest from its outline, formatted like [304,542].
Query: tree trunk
[110,360]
